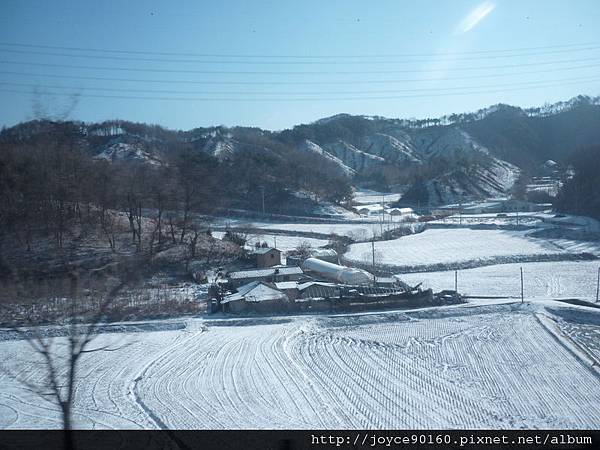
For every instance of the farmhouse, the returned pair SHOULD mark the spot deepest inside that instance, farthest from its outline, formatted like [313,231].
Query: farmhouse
[256,296]
[400,211]
[318,289]
[266,257]
[270,274]
[374,209]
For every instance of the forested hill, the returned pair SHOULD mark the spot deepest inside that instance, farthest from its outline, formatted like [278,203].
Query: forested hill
[460,156]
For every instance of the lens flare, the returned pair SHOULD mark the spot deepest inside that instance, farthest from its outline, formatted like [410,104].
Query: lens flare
[472,19]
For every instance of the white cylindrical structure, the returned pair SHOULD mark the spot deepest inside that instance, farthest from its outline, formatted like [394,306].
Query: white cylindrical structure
[335,272]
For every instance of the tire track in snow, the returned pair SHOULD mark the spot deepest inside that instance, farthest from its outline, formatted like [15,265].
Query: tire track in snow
[134,385]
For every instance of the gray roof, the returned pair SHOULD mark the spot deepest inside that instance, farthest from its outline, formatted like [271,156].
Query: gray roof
[267,272]
[255,292]
[263,250]
[286,285]
[308,284]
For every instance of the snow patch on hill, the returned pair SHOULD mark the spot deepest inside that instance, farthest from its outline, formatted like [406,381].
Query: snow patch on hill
[220,146]
[351,156]
[312,147]
[127,151]
[390,148]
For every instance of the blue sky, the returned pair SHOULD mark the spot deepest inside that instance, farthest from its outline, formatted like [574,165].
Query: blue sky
[280,63]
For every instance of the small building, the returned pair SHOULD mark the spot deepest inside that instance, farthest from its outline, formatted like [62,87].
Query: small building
[270,274]
[266,257]
[400,211]
[256,297]
[388,282]
[371,210]
[293,260]
[318,289]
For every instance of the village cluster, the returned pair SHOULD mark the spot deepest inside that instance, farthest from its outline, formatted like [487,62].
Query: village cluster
[316,283]
[319,282]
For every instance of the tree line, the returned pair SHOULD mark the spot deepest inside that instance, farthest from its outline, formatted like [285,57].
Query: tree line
[51,184]
[579,193]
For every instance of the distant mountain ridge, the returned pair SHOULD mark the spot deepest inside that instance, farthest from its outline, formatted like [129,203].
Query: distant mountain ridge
[456,157]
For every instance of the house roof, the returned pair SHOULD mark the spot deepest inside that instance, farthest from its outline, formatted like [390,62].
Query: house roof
[308,284]
[386,280]
[400,211]
[255,291]
[263,250]
[267,272]
[286,285]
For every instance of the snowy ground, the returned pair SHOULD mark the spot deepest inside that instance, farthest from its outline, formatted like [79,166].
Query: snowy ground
[284,242]
[586,224]
[495,366]
[463,245]
[362,230]
[575,279]
[368,197]
[528,219]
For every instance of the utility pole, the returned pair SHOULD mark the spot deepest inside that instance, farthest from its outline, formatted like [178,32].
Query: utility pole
[598,286]
[456,281]
[373,253]
[517,218]
[263,198]
[382,213]
[275,239]
[522,296]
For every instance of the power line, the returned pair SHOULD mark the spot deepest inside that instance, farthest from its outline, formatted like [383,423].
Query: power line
[444,58]
[354,72]
[312,99]
[393,91]
[275,82]
[234,55]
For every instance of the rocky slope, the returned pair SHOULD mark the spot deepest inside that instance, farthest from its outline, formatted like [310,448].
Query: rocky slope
[472,155]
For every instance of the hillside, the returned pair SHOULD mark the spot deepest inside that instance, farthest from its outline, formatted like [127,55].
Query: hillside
[473,155]
[435,161]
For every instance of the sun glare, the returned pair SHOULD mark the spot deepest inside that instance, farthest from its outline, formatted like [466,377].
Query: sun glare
[472,19]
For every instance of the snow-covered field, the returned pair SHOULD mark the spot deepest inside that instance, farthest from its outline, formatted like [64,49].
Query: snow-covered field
[463,245]
[362,230]
[495,366]
[282,242]
[576,279]
[368,197]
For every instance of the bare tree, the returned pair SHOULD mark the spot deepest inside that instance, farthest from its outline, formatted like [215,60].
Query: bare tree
[59,357]
[303,250]
[111,228]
